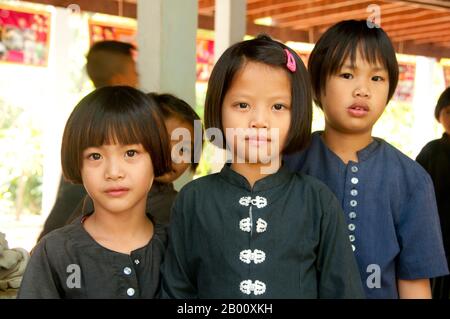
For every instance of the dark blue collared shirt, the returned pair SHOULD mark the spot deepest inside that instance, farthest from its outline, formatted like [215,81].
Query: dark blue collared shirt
[390,208]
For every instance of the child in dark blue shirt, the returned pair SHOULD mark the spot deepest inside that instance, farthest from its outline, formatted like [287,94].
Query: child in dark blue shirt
[387,198]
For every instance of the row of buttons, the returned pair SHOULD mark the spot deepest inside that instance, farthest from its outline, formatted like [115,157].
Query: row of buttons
[127,271]
[353,204]
[257,256]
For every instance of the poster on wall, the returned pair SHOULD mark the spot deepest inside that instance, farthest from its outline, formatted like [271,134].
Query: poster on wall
[205,57]
[24,36]
[405,86]
[102,31]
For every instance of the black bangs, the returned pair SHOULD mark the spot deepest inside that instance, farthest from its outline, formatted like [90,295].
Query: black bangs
[119,122]
[114,115]
[367,47]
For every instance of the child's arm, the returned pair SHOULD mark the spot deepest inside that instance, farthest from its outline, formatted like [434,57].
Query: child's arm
[339,274]
[414,289]
[418,229]
[38,281]
[177,281]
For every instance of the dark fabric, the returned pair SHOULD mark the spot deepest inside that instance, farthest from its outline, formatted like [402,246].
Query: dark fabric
[50,271]
[69,195]
[290,223]
[72,202]
[435,158]
[390,209]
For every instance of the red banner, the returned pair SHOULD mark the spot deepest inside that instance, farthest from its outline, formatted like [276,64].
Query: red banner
[24,36]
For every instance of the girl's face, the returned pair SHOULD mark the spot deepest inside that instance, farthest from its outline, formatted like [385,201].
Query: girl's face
[355,97]
[258,103]
[181,147]
[117,177]
[444,118]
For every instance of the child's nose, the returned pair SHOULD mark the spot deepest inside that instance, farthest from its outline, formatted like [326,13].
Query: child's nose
[259,119]
[361,91]
[114,170]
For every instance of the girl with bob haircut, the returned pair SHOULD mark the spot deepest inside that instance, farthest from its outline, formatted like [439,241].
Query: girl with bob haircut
[387,198]
[243,233]
[114,143]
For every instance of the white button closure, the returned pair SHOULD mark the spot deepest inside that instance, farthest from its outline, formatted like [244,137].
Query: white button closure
[353,192]
[354,180]
[130,292]
[351,227]
[127,270]
[352,238]
[353,247]
[354,169]
[136,261]
[352,215]
[353,203]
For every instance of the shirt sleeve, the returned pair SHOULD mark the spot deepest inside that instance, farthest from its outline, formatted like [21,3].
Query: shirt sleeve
[419,234]
[69,195]
[39,281]
[339,276]
[177,275]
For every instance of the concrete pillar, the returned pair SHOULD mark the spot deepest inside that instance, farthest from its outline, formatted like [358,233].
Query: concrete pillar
[166,43]
[229,24]
[167,31]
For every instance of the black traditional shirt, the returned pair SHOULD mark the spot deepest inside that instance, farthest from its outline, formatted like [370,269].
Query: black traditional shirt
[69,263]
[283,238]
[435,158]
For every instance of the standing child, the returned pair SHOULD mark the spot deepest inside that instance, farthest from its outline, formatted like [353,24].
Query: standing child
[243,233]
[387,198]
[114,143]
[435,158]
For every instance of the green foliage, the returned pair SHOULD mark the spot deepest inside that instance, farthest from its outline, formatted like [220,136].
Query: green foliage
[21,158]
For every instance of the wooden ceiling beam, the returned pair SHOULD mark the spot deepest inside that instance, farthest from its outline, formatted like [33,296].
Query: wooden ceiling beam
[324,19]
[430,50]
[419,30]
[417,23]
[434,39]
[264,9]
[302,10]
[439,5]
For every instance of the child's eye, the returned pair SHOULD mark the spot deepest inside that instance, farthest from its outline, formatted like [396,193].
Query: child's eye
[377,78]
[278,107]
[131,153]
[346,76]
[94,156]
[242,106]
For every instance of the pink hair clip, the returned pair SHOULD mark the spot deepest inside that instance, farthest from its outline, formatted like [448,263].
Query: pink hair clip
[290,61]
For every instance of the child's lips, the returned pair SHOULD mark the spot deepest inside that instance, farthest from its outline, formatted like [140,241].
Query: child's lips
[116,191]
[258,140]
[358,109]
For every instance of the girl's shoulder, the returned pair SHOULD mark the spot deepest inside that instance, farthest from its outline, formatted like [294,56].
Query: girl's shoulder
[308,182]
[200,183]
[58,241]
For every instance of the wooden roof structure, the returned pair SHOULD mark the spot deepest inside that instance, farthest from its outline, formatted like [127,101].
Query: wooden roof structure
[419,27]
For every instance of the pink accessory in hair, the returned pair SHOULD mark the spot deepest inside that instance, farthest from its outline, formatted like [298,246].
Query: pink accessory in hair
[290,61]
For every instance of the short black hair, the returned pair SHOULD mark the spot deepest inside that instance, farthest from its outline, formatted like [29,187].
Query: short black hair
[264,50]
[442,103]
[341,41]
[172,106]
[114,114]
[106,59]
